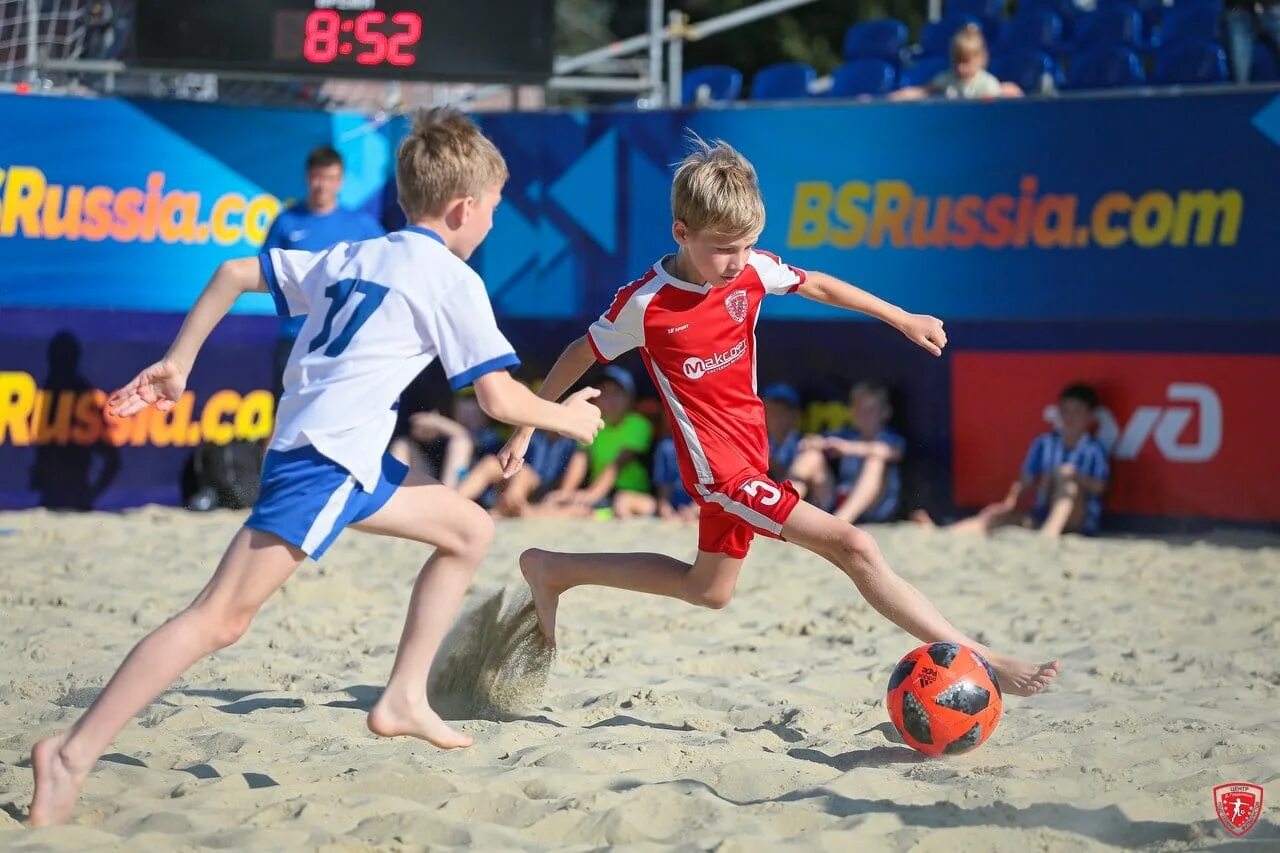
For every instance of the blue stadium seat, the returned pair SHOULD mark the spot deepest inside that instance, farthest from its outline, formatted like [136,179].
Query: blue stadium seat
[1027,68]
[1067,10]
[1150,10]
[1031,29]
[1191,22]
[989,14]
[982,9]
[935,38]
[863,77]
[1110,67]
[1263,68]
[1190,62]
[884,39]
[723,83]
[1120,24]
[923,71]
[783,81]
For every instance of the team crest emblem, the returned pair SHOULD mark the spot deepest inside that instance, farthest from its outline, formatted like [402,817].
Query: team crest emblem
[1239,806]
[736,305]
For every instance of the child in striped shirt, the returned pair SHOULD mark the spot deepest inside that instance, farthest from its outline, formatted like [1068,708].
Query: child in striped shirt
[1066,470]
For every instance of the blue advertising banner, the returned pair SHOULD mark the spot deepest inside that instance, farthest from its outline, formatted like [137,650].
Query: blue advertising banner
[118,204]
[58,448]
[1117,208]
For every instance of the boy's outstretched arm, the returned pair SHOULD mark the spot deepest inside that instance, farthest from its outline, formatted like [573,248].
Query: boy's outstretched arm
[576,359]
[923,330]
[505,399]
[162,383]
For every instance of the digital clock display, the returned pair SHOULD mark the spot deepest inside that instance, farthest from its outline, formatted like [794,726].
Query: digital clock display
[328,37]
[468,40]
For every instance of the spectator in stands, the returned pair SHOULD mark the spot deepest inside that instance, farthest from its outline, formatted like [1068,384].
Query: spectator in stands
[866,484]
[1066,470]
[968,77]
[1244,19]
[672,499]
[611,471]
[782,423]
[448,446]
[315,224]
[545,464]
[99,30]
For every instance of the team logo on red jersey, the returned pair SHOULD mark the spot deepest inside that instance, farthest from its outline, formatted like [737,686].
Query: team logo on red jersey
[696,368]
[736,304]
[1239,804]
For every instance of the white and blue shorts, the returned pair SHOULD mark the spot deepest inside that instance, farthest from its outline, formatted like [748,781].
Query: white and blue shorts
[306,498]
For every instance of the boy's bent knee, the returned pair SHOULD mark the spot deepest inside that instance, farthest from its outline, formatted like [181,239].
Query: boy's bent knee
[221,627]
[712,598]
[856,551]
[473,534]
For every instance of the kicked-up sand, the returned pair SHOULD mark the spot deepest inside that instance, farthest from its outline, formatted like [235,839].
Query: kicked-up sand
[656,725]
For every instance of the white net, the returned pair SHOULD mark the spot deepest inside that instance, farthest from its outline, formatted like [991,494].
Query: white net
[63,29]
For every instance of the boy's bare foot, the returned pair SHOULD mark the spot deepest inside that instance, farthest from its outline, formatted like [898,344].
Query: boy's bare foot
[57,783]
[393,717]
[922,518]
[545,596]
[1019,677]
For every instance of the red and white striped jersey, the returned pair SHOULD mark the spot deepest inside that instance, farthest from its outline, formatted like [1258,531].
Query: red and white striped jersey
[698,343]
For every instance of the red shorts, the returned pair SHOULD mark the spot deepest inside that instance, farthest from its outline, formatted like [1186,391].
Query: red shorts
[732,513]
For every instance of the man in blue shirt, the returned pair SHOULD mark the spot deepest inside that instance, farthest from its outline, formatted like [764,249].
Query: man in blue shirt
[315,224]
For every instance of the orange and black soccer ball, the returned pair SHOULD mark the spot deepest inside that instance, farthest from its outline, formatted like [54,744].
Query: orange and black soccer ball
[944,699]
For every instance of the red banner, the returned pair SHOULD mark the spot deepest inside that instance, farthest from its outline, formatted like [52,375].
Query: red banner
[1189,435]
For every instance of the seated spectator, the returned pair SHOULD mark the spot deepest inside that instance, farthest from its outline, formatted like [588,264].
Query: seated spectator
[545,463]
[611,471]
[672,499]
[782,422]
[446,446]
[968,77]
[1066,470]
[1245,19]
[866,485]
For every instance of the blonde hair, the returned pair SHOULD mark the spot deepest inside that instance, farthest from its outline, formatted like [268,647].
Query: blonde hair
[444,157]
[715,188]
[968,41]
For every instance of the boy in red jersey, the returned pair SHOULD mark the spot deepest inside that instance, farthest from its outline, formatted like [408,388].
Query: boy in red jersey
[693,316]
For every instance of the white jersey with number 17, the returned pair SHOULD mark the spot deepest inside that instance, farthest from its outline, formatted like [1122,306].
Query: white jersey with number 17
[378,312]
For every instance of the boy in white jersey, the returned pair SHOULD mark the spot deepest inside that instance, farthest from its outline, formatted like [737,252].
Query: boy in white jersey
[377,313]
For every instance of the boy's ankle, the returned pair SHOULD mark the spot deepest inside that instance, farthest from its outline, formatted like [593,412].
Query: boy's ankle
[74,758]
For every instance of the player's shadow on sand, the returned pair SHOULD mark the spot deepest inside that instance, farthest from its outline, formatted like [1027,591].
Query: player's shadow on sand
[248,706]
[252,780]
[363,697]
[877,756]
[238,701]
[625,720]
[1108,825]
[223,695]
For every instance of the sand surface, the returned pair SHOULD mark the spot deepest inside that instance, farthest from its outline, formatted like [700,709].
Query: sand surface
[661,726]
